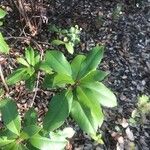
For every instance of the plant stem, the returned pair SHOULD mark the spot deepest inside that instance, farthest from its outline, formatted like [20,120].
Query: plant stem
[3,79]
[39,73]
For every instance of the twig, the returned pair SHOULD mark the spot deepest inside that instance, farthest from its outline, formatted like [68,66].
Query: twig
[17,37]
[28,38]
[38,75]
[3,79]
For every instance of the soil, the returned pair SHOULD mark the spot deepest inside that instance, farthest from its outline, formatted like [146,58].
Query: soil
[126,36]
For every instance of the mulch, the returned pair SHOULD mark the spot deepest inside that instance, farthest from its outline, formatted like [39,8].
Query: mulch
[127,57]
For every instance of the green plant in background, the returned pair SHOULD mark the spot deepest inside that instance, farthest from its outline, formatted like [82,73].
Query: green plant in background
[28,134]
[139,114]
[29,66]
[68,38]
[117,11]
[2,15]
[82,91]
[2,92]
[27,69]
[4,48]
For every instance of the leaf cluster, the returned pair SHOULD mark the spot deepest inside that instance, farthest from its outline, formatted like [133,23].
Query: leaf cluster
[27,135]
[68,38]
[28,69]
[139,114]
[82,92]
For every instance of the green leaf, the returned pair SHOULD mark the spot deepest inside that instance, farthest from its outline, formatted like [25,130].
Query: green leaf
[2,13]
[37,58]
[44,143]
[10,116]
[29,131]
[30,146]
[30,83]
[48,81]
[4,141]
[4,48]
[16,76]
[67,132]
[7,133]
[92,60]
[23,62]
[54,28]
[30,117]
[15,146]
[86,99]
[76,65]
[61,80]
[96,75]
[1,23]
[46,68]
[57,61]
[101,93]
[70,47]
[18,147]
[57,42]
[59,109]
[143,100]
[29,55]
[30,71]
[83,116]
[10,146]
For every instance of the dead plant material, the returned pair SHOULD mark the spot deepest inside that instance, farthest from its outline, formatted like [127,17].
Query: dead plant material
[32,14]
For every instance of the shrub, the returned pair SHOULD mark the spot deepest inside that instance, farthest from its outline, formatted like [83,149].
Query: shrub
[28,134]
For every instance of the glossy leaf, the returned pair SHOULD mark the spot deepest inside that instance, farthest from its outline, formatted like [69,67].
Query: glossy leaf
[10,146]
[96,75]
[10,116]
[83,116]
[29,131]
[67,132]
[60,136]
[48,81]
[92,60]
[57,61]
[30,117]
[29,55]
[7,133]
[37,58]
[30,83]
[15,146]
[16,76]
[85,98]
[70,47]
[44,143]
[18,147]
[46,68]
[57,42]
[61,80]
[23,62]
[30,71]
[4,141]
[59,109]
[4,48]
[101,93]
[76,65]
